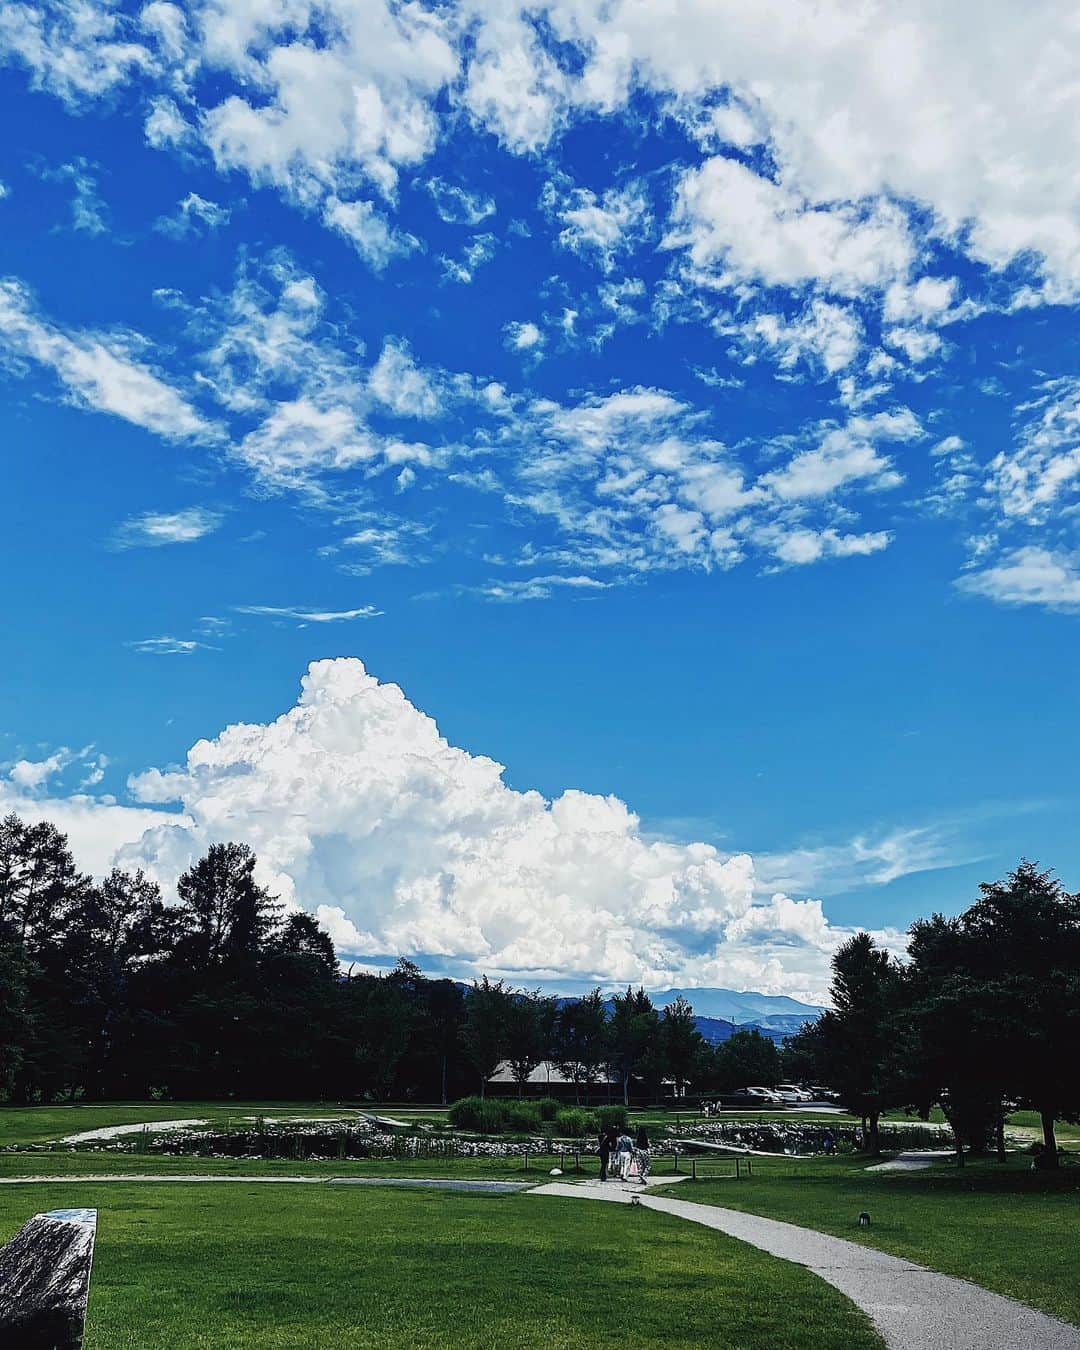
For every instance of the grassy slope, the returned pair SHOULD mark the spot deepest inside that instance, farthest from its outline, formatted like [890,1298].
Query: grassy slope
[207,1267]
[1005,1227]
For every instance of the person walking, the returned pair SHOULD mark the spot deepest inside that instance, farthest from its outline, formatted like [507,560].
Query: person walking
[624,1152]
[606,1141]
[642,1155]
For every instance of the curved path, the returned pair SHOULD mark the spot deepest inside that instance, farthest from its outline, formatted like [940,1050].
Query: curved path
[913,1308]
[428,1183]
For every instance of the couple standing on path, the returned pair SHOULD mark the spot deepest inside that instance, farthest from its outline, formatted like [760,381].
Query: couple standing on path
[628,1159]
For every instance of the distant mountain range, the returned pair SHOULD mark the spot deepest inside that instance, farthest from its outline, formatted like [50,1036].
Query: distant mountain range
[719,1013]
[739,1008]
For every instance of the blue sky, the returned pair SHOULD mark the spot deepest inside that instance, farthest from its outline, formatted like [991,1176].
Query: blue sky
[680,405]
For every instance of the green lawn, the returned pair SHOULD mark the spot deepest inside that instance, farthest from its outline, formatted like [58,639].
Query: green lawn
[207,1267]
[1003,1226]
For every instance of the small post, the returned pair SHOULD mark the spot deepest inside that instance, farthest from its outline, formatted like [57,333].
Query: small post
[562,1160]
[693,1169]
[749,1167]
[738,1171]
[676,1160]
[577,1162]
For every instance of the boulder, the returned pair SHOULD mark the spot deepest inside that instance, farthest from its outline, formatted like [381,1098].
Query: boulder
[45,1281]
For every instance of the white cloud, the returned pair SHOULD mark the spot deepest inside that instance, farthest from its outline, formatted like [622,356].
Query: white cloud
[601,226]
[400,385]
[96,371]
[457,205]
[797,547]
[537,588]
[846,454]
[154,528]
[30,775]
[823,332]
[343,90]
[192,213]
[916,343]
[1029,576]
[88,211]
[97,828]
[76,49]
[740,227]
[360,811]
[1028,482]
[306,616]
[373,237]
[867,860]
[523,337]
[166,125]
[966,114]
[479,250]
[166,646]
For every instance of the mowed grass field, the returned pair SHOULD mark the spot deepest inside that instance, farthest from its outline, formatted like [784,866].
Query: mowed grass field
[1002,1225]
[246,1266]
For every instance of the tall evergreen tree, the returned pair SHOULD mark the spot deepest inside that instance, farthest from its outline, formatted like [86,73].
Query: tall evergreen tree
[860,1035]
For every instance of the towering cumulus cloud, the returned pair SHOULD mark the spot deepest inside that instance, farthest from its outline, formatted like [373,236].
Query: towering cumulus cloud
[362,812]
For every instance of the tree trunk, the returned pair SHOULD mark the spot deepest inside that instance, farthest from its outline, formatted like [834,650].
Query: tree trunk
[626,1089]
[1049,1138]
[442,1081]
[874,1144]
[483,1086]
[1000,1137]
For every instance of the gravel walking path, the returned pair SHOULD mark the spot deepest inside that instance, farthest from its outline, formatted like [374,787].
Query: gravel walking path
[913,1308]
[910,1162]
[427,1183]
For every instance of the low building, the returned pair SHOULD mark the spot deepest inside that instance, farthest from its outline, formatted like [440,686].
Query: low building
[548,1080]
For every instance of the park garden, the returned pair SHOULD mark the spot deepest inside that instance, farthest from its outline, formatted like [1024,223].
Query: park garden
[286,1153]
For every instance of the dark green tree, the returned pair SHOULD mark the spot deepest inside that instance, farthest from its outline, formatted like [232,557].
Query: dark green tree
[633,1026]
[861,1035]
[681,1044]
[529,1026]
[483,1035]
[745,1059]
[581,1041]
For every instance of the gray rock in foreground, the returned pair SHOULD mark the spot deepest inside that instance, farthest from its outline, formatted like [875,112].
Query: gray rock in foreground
[45,1281]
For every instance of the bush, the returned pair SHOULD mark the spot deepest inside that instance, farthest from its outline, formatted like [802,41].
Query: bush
[473,1113]
[522,1117]
[574,1122]
[609,1117]
[549,1107]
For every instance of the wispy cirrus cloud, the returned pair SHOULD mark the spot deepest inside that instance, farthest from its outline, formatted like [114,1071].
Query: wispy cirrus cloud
[154,529]
[306,616]
[168,646]
[98,371]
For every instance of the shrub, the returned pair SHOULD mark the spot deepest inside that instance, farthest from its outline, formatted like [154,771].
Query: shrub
[549,1107]
[612,1116]
[522,1117]
[574,1122]
[473,1113]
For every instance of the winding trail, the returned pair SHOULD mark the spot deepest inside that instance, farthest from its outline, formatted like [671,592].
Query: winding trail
[193,1179]
[913,1308]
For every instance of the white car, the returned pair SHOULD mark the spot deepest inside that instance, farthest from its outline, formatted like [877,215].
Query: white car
[789,1092]
[763,1094]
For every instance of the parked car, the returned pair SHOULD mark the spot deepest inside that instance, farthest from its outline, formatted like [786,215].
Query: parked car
[789,1092]
[757,1096]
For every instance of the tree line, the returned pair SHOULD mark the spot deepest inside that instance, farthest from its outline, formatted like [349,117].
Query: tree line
[108,991]
[982,1018]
